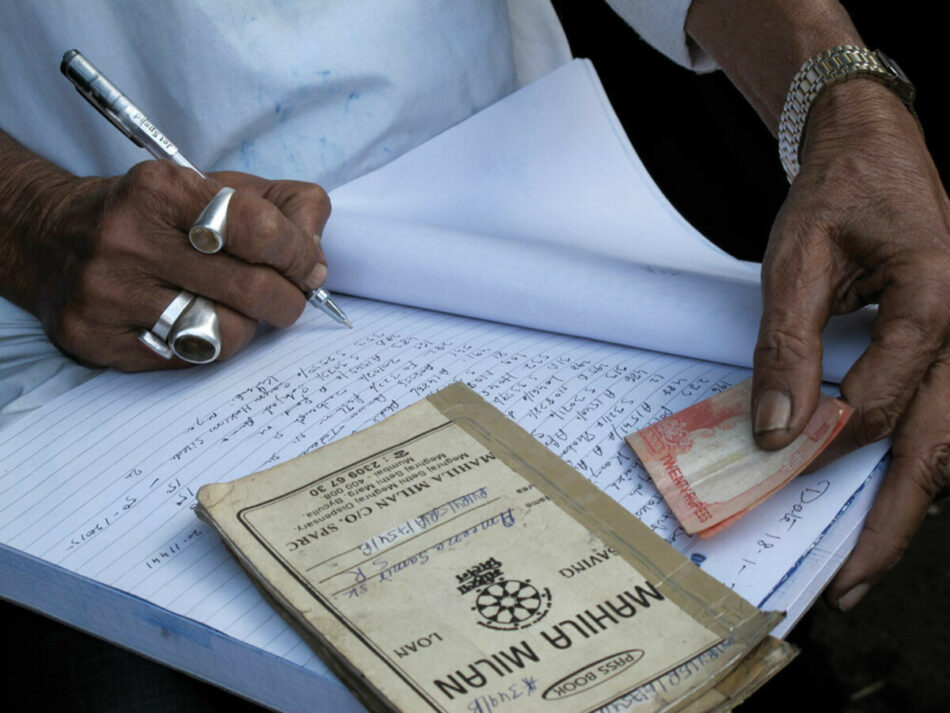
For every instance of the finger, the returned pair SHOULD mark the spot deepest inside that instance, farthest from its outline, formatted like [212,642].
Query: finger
[236,331]
[797,296]
[166,199]
[256,291]
[129,354]
[258,231]
[305,205]
[99,326]
[919,469]
[95,334]
[119,349]
[908,333]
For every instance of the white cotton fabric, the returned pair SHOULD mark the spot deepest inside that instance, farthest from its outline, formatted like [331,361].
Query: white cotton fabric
[662,23]
[317,90]
[320,91]
[537,38]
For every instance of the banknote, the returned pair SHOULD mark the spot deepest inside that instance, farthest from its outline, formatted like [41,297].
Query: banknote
[705,462]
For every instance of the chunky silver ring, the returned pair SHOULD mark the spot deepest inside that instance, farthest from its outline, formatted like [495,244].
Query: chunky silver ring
[196,336]
[188,328]
[171,314]
[155,344]
[210,231]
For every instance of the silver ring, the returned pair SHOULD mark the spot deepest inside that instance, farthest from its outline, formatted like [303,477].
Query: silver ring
[196,336]
[155,344]
[209,232]
[171,314]
[189,328]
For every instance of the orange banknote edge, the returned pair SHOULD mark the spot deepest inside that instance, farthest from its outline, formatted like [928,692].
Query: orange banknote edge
[705,463]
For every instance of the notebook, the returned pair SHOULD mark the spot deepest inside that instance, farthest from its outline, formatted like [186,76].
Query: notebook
[526,253]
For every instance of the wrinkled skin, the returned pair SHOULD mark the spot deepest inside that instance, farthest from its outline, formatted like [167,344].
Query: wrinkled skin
[110,254]
[866,221]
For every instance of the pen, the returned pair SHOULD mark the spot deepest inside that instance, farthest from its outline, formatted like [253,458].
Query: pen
[131,121]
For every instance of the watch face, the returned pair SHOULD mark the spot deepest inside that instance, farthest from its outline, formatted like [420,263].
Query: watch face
[903,86]
[892,66]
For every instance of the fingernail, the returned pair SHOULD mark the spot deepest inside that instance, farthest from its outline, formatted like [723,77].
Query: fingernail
[772,412]
[853,596]
[317,276]
[319,273]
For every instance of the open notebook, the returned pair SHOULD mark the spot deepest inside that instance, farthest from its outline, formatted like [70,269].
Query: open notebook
[525,252]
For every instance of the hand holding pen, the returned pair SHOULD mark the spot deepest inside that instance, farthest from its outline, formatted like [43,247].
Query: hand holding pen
[264,257]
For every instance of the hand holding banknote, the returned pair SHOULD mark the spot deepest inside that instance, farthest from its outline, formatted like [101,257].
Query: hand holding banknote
[866,220]
[706,464]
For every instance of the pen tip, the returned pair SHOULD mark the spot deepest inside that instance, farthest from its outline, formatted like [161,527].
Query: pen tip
[348,323]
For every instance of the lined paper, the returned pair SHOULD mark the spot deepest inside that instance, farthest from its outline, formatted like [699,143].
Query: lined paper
[507,217]
[537,212]
[105,487]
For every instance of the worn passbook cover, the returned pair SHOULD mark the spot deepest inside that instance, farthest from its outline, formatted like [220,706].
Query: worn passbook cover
[444,560]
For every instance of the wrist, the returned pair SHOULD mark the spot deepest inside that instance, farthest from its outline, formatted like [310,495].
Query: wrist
[857,113]
[834,66]
[36,197]
[762,45]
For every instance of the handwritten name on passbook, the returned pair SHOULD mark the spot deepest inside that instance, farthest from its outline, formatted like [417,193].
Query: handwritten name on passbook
[705,462]
[422,559]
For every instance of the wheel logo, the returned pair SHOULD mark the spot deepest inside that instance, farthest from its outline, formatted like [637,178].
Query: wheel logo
[511,604]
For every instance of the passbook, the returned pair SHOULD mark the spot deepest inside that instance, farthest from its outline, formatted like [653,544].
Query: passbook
[445,560]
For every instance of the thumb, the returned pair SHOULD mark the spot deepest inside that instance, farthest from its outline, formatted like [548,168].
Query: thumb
[796,302]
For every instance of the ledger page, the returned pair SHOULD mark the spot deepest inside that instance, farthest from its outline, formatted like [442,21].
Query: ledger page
[102,481]
[538,212]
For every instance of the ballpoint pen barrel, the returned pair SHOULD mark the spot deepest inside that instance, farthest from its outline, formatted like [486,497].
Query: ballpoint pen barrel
[112,103]
[119,109]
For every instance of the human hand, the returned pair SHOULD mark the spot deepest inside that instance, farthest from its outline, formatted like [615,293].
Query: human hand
[867,220]
[106,256]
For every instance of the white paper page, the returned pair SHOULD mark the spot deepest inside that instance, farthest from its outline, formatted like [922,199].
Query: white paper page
[569,291]
[806,581]
[102,481]
[548,165]
[538,212]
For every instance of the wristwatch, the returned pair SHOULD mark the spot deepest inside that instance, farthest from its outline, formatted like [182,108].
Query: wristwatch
[836,65]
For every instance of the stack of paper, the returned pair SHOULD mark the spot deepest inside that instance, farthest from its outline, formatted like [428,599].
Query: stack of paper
[96,522]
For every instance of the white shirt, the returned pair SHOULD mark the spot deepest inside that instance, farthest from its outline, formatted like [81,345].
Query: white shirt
[318,90]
